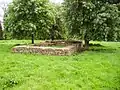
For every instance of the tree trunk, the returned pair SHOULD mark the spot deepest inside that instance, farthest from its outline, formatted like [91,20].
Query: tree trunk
[86,41]
[32,38]
[86,44]
[52,32]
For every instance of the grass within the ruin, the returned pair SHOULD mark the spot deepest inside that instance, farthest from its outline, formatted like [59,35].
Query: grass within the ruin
[95,69]
[56,46]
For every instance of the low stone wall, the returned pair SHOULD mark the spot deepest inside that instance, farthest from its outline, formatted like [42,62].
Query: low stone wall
[60,42]
[43,49]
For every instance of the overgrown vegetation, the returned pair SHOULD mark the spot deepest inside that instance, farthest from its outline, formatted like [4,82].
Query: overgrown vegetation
[87,70]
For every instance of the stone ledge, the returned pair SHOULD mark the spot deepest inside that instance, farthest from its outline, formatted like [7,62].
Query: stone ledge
[44,50]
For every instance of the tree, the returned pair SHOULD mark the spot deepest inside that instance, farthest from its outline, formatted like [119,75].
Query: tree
[24,17]
[92,20]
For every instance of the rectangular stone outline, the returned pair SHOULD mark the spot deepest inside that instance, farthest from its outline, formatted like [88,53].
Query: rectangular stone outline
[67,50]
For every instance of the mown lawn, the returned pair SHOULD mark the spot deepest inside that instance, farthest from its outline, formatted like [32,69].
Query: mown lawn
[96,69]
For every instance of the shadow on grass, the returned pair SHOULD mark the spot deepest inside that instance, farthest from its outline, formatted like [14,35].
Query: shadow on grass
[21,44]
[17,44]
[107,50]
[101,48]
[97,45]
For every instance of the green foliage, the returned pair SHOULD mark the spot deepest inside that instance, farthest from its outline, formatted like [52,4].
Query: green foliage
[93,20]
[107,22]
[61,30]
[26,16]
[111,1]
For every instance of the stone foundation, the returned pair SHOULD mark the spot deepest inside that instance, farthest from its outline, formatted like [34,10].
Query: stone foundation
[44,48]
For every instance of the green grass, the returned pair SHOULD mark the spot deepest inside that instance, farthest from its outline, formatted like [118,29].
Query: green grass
[56,46]
[96,69]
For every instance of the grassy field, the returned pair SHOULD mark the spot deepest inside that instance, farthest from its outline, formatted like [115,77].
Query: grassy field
[96,69]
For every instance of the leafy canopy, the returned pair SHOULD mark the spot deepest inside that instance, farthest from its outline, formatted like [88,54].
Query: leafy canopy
[26,16]
[92,19]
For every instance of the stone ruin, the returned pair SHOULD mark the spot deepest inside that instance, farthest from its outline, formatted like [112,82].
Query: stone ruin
[50,48]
